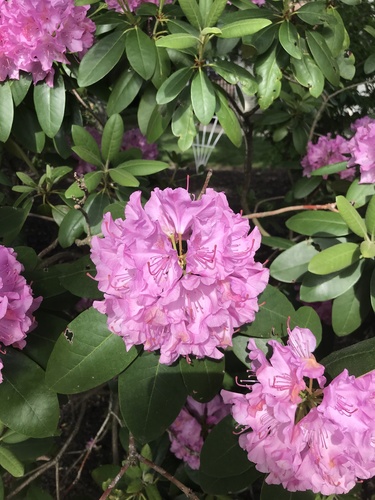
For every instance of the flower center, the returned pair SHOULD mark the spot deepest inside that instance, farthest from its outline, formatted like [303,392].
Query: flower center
[311,398]
[181,248]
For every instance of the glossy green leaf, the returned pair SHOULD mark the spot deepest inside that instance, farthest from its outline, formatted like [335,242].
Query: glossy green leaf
[124,91]
[11,463]
[350,309]
[203,98]
[203,377]
[243,27]
[359,194]
[28,405]
[122,177]
[151,396]
[12,437]
[269,74]
[49,105]
[143,167]
[313,12]
[307,317]
[369,66]
[101,58]
[292,264]
[71,228]
[216,9]
[162,67]
[86,146]
[112,137]
[289,39]
[191,10]
[273,491]
[183,125]
[318,288]
[228,120]
[174,85]
[177,41]
[20,87]
[358,359]
[334,32]
[318,223]
[323,57]
[370,217]
[262,40]
[272,317]
[335,258]
[367,249]
[330,169]
[351,217]
[346,64]
[27,130]
[308,74]
[277,242]
[305,186]
[158,121]
[12,220]
[6,111]
[233,74]
[86,355]
[77,278]
[141,53]
[223,485]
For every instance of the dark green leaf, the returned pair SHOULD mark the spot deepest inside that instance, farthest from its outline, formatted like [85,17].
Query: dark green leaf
[162,68]
[50,105]
[124,91]
[277,242]
[183,125]
[122,177]
[158,121]
[262,40]
[203,98]
[228,120]
[203,377]
[112,137]
[335,258]
[307,317]
[6,111]
[31,407]
[77,278]
[359,194]
[94,208]
[20,87]
[289,39]
[305,186]
[86,146]
[313,12]
[334,168]
[272,491]
[151,396]
[71,228]
[86,355]
[231,484]
[269,74]
[323,57]
[27,130]
[318,223]
[191,10]
[369,66]
[358,359]
[243,27]
[292,264]
[370,217]
[101,58]
[308,74]
[12,220]
[351,217]
[174,85]
[216,9]
[141,53]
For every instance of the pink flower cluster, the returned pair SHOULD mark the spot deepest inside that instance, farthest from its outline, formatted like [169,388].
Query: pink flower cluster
[132,5]
[304,435]
[36,33]
[179,274]
[133,138]
[359,150]
[194,422]
[16,303]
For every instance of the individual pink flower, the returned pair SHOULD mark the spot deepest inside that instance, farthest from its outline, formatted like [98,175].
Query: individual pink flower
[194,422]
[16,303]
[37,33]
[304,435]
[326,152]
[132,5]
[178,274]
[362,148]
[365,121]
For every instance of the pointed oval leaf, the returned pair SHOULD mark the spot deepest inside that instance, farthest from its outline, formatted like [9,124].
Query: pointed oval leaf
[351,217]
[229,121]
[359,194]
[272,491]
[151,396]
[318,223]
[269,74]
[124,91]
[313,12]
[71,228]
[191,10]
[243,27]
[122,177]
[6,111]
[368,249]
[334,168]
[372,290]
[20,87]
[101,58]
[77,278]
[307,317]
[174,85]
[11,463]
[143,167]
[50,105]
[203,377]
[370,217]
[323,57]
[177,41]
[112,137]
[31,407]
[358,359]
[141,52]
[292,264]
[289,39]
[203,98]
[86,355]
[183,125]
[308,74]
[335,258]
[86,146]
[215,11]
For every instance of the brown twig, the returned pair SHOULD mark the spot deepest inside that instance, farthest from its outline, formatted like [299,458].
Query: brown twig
[205,185]
[327,206]
[48,249]
[87,107]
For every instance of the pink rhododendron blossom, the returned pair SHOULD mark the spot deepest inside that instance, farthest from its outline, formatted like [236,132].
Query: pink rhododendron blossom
[362,149]
[132,5]
[304,435]
[326,152]
[178,274]
[16,303]
[194,422]
[37,33]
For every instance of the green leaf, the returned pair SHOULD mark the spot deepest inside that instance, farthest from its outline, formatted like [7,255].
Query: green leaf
[162,68]
[143,167]
[233,74]
[351,217]
[323,57]
[359,194]
[318,288]
[191,10]
[346,63]
[141,53]
[318,223]
[289,39]
[71,228]
[269,74]
[6,111]
[370,217]
[86,355]
[292,264]
[313,12]
[177,41]
[203,377]
[330,169]
[369,66]
[372,290]
[203,98]
[86,146]
[277,242]
[272,317]
[228,120]
[334,32]
[77,278]
[151,396]
[31,407]
[112,137]
[183,125]
[174,85]
[272,491]
[358,359]
[50,105]
[262,40]
[243,27]
[124,91]
[12,220]
[20,87]
[158,121]
[307,317]
[308,74]
[223,485]
[122,177]
[350,309]
[216,9]
[101,58]
[367,249]
[305,186]
[335,258]
[10,463]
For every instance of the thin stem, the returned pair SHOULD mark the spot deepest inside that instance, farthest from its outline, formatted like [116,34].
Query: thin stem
[205,185]
[270,213]
[87,107]
[48,249]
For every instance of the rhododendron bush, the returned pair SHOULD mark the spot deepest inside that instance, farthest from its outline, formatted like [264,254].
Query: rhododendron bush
[165,333]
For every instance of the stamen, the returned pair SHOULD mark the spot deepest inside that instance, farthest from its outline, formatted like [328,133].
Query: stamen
[159,267]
